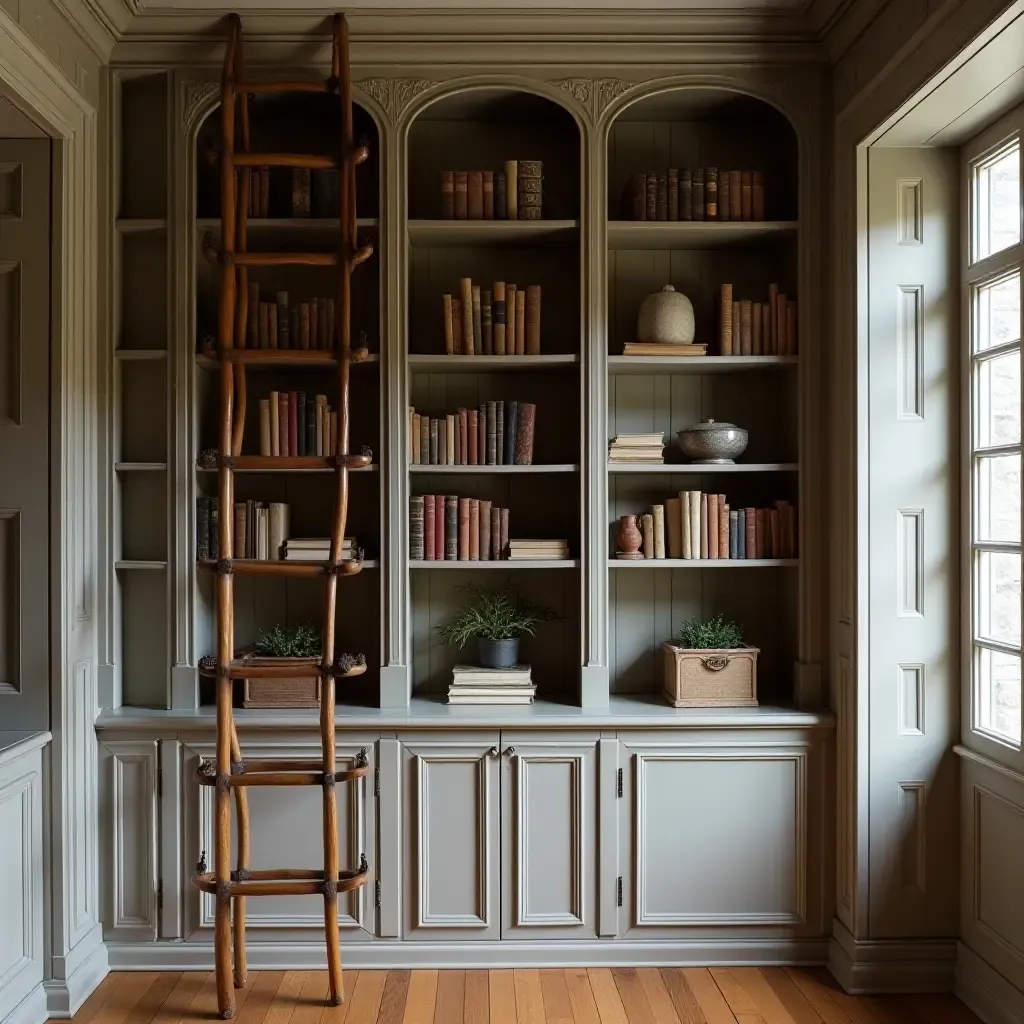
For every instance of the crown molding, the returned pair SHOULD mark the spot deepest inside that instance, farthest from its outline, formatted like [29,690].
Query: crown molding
[100,23]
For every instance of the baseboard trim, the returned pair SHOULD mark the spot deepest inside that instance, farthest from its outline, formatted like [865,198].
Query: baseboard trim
[269,956]
[985,991]
[64,996]
[864,966]
[31,1010]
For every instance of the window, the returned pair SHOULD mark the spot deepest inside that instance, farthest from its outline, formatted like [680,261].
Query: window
[993,301]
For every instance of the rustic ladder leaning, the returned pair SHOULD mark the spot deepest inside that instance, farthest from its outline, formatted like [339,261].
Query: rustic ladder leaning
[230,773]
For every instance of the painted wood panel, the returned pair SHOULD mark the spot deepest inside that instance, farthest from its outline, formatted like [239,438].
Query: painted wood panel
[143,172]
[143,634]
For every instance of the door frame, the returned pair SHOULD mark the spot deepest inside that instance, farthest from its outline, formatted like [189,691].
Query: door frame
[75,956]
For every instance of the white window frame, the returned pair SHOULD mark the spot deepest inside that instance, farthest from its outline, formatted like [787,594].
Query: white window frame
[976,272]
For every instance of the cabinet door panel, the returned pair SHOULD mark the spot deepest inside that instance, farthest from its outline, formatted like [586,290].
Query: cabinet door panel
[453,838]
[549,837]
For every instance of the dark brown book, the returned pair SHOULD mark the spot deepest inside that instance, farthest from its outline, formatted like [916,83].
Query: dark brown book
[481,435]
[473,456]
[499,432]
[698,193]
[711,193]
[451,528]
[726,326]
[463,456]
[757,195]
[735,195]
[449,336]
[486,329]
[746,196]
[662,197]
[447,195]
[495,533]
[457,343]
[304,325]
[526,421]
[638,196]
[314,323]
[283,321]
[503,550]
[685,194]
[293,325]
[424,441]
[673,193]
[463,529]
[511,420]
[485,530]
[492,434]
[723,196]
[500,201]
[474,529]
[498,318]
[529,181]
[460,199]
[416,519]
[478,328]
[652,196]
[475,195]
[466,296]
[531,344]
[520,322]
[429,527]
[488,195]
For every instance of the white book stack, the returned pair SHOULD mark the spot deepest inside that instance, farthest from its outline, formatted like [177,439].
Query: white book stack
[538,550]
[637,448]
[316,549]
[472,685]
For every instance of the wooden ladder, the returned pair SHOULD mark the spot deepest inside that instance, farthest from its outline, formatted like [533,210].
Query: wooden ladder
[230,773]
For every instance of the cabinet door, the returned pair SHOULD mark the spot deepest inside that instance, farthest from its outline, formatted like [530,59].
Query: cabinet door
[549,836]
[453,828]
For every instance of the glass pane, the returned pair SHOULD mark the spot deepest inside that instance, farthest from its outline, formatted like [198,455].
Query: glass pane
[998,596]
[998,498]
[998,313]
[998,400]
[998,693]
[998,212]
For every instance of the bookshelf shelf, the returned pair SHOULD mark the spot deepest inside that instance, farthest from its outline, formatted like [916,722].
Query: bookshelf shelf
[507,563]
[698,365]
[628,234]
[297,360]
[138,225]
[139,355]
[493,232]
[491,364]
[566,467]
[690,469]
[270,228]
[703,563]
[138,563]
[140,467]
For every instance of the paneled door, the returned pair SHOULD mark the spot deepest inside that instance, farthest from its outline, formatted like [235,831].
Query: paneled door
[453,828]
[549,804]
[24,432]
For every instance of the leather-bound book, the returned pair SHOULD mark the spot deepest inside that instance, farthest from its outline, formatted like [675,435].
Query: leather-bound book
[771,343]
[747,196]
[500,197]
[673,528]
[449,458]
[478,331]
[726,326]
[475,195]
[449,337]
[750,531]
[521,321]
[762,533]
[492,434]
[253,324]
[300,423]
[741,533]
[275,423]
[466,296]
[647,521]
[684,515]
[711,193]
[424,441]
[439,528]
[755,331]
[526,425]
[488,195]
[499,432]
[463,529]
[532,320]
[429,527]
[458,346]
[472,451]
[735,195]
[434,439]
[503,549]
[484,545]
[414,437]
[416,548]
[512,190]
[737,328]
[686,194]
[303,325]
[704,548]
[314,323]
[460,203]
[486,326]
[652,196]
[757,195]
[673,193]
[474,529]
[638,196]
[451,528]
[658,515]
[662,195]
[463,459]
[294,332]
[529,179]
[724,515]
[498,318]
[510,319]
[272,324]
[481,434]
[724,194]
[264,328]
[447,195]
[746,327]
[698,193]
[495,533]
[511,424]
[293,423]
[766,328]
[712,526]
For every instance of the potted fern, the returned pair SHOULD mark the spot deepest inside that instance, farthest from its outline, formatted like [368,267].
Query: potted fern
[707,664]
[496,621]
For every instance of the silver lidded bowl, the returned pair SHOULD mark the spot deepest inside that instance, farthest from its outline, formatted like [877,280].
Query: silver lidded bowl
[711,443]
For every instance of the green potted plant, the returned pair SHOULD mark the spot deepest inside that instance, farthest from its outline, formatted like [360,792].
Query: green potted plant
[708,664]
[496,620]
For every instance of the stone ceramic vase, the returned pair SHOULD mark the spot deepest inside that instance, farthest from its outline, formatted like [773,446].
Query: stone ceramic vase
[666,317]
[629,539]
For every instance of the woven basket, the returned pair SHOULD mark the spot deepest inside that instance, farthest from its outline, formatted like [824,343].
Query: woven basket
[709,679]
[281,693]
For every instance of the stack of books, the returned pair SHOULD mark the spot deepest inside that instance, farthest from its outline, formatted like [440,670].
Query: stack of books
[637,448]
[660,349]
[296,423]
[748,328]
[317,549]
[538,550]
[497,433]
[512,194]
[503,320]
[472,685]
[696,193]
[445,527]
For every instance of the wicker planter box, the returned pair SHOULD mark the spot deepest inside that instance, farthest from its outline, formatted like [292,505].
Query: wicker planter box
[281,693]
[709,679]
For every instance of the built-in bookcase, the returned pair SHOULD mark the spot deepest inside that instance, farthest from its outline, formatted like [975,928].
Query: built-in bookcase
[142,512]
[479,130]
[648,599]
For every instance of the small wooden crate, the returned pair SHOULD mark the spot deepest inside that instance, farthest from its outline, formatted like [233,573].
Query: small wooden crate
[281,693]
[709,679]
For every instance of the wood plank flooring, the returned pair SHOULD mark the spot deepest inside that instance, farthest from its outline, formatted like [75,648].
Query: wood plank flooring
[576,995]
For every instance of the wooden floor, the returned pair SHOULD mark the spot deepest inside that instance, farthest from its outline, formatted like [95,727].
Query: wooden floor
[748,995]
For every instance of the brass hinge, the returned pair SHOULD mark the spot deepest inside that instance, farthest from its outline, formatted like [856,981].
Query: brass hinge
[376,892]
[618,891]
[376,782]
[160,895]
[620,782]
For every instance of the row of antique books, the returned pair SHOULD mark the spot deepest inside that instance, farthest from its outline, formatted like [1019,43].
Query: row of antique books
[748,328]
[498,433]
[700,193]
[294,423]
[298,193]
[453,529]
[473,685]
[501,320]
[516,193]
[695,525]
[308,324]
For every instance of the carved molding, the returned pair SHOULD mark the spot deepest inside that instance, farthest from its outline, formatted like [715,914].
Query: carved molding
[394,94]
[593,94]
[198,98]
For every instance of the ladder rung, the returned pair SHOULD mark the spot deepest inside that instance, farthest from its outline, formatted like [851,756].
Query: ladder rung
[356,460]
[241,669]
[252,88]
[265,567]
[284,259]
[282,882]
[275,775]
[308,765]
[313,161]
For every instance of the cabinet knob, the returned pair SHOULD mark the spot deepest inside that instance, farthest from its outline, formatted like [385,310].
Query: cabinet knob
[510,751]
[493,752]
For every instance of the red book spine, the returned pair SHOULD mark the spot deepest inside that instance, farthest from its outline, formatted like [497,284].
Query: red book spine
[474,529]
[463,529]
[439,527]
[293,423]
[481,436]
[282,421]
[471,417]
[429,527]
